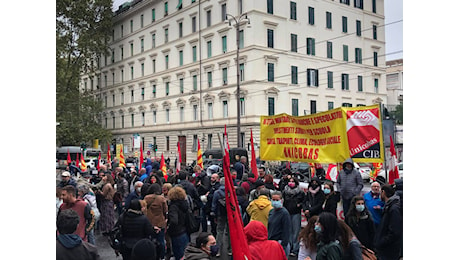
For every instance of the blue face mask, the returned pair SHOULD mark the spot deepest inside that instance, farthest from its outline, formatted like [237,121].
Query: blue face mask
[327,191]
[360,208]
[277,204]
[318,229]
[214,250]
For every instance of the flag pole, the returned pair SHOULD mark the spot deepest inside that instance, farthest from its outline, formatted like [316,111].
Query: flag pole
[384,152]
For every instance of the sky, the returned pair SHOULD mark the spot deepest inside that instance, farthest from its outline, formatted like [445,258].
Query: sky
[393,33]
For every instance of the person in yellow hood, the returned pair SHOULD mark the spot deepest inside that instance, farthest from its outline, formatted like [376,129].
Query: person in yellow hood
[259,208]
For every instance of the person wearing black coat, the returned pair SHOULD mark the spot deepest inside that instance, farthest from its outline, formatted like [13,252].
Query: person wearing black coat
[177,230]
[134,227]
[359,219]
[389,232]
[314,200]
[331,198]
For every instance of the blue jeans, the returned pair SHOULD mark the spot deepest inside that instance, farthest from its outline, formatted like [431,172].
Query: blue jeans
[160,237]
[287,248]
[91,237]
[178,245]
[295,229]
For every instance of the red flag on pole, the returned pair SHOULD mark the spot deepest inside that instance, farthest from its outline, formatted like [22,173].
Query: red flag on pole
[199,155]
[394,171]
[163,167]
[69,161]
[253,159]
[141,158]
[83,163]
[99,162]
[179,159]
[77,162]
[240,248]
[109,159]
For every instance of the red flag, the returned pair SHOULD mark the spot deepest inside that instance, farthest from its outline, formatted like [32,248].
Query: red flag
[226,139]
[312,169]
[179,159]
[77,163]
[253,159]
[199,156]
[394,171]
[83,163]
[69,161]
[99,162]
[109,158]
[332,172]
[240,248]
[141,159]
[288,165]
[163,167]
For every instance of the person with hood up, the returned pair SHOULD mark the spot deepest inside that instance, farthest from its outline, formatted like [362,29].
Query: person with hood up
[148,169]
[70,246]
[294,198]
[349,183]
[204,248]
[176,221]
[388,238]
[314,199]
[259,208]
[219,211]
[259,246]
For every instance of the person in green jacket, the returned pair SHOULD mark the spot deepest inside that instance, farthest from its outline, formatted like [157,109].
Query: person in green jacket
[329,247]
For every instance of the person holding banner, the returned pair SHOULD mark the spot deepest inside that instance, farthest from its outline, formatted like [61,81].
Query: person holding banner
[349,183]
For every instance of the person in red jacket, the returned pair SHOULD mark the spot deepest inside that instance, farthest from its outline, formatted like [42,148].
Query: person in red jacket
[260,247]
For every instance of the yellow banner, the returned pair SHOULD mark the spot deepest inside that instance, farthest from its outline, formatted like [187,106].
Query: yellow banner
[327,137]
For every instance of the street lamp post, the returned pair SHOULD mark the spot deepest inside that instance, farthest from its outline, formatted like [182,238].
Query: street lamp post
[238,21]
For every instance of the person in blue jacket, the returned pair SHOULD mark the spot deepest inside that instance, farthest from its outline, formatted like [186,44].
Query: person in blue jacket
[374,204]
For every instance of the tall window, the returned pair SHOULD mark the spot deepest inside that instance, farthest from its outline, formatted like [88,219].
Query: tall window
[208,18]
[193,24]
[167,115]
[132,96]
[166,35]
[154,66]
[180,30]
[224,44]
[131,26]
[181,57]
[358,27]
[225,108]
[311,46]
[312,106]
[167,143]
[113,122]
[330,105]
[153,15]
[209,141]
[294,75]
[154,90]
[223,12]
[376,85]
[295,106]
[345,85]
[271,72]
[293,42]
[122,121]
[358,56]
[312,77]
[374,32]
[142,20]
[122,101]
[131,47]
[167,61]
[154,117]
[329,50]
[345,52]
[132,72]
[270,6]
[224,76]
[271,106]
[242,107]
[194,53]
[195,83]
[209,45]
[181,85]
[142,45]
[241,40]
[330,79]
[143,118]
[195,112]
[142,93]
[311,15]
[374,6]
[293,6]
[132,120]
[209,79]
[376,61]
[344,24]
[167,88]
[360,83]
[328,20]
[241,72]
[359,4]
[153,41]
[270,38]
[181,114]
[166,8]
[210,111]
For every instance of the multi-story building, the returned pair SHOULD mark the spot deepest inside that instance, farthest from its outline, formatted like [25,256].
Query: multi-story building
[394,77]
[171,76]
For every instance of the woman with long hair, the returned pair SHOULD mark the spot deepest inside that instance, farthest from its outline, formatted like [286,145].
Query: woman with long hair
[176,221]
[308,240]
[328,232]
[360,221]
[294,198]
[350,244]
[107,220]
[331,198]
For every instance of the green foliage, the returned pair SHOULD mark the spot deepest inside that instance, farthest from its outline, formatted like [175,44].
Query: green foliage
[82,34]
[398,114]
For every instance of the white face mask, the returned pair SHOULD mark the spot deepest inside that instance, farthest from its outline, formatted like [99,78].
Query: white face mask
[138,189]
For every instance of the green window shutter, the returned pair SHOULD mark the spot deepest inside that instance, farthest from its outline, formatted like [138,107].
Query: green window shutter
[153,15]
[224,44]
[330,79]
[360,83]
[271,72]
[345,52]
[179,4]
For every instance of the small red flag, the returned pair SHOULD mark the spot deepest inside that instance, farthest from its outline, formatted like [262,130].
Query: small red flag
[99,162]
[253,159]
[141,158]
[163,167]
[69,160]
[394,171]
[109,158]
[77,163]
[199,156]
[179,159]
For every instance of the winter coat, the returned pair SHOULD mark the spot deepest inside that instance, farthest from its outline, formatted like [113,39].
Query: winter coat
[314,202]
[331,251]
[259,246]
[203,184]
[353,252]
[371,202]
[349,183]
[259,209]
[157,210]
[389,232]
[216,207]
[293,199]
[71,247]
[176,217]
[330,203]
[279,225]
[134,227]
[193,253]
[364,229]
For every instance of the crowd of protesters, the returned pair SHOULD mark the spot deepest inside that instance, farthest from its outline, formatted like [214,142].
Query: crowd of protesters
[150,208]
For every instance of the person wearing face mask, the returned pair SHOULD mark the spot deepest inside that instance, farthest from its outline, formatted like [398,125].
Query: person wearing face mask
[360,221]
[294,198]
[327,229]
[349,183]
[204,248]
[136,194]
[331,198]
[315,198]
[279,222]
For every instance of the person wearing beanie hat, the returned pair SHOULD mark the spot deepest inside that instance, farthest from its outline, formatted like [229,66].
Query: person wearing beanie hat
[254,194]
[144,249]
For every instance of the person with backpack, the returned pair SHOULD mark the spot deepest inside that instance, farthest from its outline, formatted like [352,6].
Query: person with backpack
[219,211]
[176,226]
[87,195]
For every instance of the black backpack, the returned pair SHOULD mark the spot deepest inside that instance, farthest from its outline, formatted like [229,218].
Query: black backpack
[192,225]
